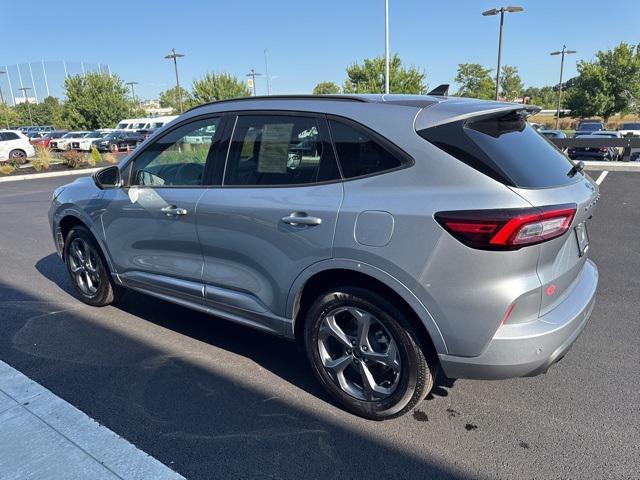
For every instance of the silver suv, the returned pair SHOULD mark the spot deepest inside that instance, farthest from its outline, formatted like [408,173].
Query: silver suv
[391,236]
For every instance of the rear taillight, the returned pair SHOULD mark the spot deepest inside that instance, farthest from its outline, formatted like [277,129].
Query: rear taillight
[507,229]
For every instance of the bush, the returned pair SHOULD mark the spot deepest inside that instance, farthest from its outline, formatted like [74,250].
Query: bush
[36,163]
[72,158]
[110,158]
[6,169]
[95,156]
[42,158]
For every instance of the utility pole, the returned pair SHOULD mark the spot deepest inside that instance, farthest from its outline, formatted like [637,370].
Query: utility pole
[253,74]
[174,56]
[26,99]
[562,53]
[6,109]
[133,94]
[501,11]
[386,46]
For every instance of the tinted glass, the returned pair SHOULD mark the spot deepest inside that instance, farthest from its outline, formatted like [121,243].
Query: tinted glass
[178,158]
[9,136]
[358,153]
[505,148]
[591,126]
[279,150]
[630,126]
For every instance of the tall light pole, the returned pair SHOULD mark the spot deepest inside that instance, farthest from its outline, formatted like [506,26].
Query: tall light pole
[26,99]
[562,52]
[133,94]
[253,74]
[386,46]
[266,72]
[501,11]
[174,56]
[4,105]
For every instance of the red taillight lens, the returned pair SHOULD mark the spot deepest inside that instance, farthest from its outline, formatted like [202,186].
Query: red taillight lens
[507,229]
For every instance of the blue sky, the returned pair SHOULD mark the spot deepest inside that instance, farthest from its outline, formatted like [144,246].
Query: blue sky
[307,42]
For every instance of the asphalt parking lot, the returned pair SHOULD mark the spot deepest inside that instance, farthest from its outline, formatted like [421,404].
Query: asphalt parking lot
[212,399]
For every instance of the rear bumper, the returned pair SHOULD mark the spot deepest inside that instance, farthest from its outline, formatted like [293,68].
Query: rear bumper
[531,348]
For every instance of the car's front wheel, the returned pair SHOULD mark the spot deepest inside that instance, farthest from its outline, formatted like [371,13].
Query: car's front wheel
[19,156]
[365,353]
[88,269]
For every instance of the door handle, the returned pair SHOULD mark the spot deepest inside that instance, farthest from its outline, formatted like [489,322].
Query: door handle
[301,218]
[172,210]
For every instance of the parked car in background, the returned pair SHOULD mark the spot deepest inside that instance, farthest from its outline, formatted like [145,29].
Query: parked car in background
[610,134]
[118,141]
[64,142]
[147,132]
[630,129]
[411,235]
[84,143]
[553,133]
[15,147]
[592,153]
[589,126]
[45,140]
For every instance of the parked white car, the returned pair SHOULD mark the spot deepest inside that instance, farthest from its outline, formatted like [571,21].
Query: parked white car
[64,142]
[150,123]
[15,146]
[630,128]
[84,143]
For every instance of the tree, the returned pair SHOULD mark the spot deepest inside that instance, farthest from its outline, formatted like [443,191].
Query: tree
[475,81]
[218,86]
[544,97]
[608,85]
[368,77]
[95,100]
[326,88]
[47,112]
[169,98]
[510,83]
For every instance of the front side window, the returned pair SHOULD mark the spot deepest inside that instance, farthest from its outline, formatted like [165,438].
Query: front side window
[279,150]
[177,158]
[358,153]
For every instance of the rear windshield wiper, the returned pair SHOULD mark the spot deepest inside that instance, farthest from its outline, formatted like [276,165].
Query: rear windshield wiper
[577,168]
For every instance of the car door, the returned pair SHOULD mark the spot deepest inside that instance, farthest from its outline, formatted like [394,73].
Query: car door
[4,152]
[273,217]
[150,223]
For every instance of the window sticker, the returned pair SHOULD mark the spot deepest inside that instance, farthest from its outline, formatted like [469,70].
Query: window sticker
[274,148]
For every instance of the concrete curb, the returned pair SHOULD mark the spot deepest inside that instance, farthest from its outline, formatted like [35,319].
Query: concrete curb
[613,166]
[35,176]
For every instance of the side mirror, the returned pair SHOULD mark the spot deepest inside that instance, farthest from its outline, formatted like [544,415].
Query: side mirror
[108,177]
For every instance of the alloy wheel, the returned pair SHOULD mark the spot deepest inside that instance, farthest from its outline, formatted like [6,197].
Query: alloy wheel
[359,353]
[84,265]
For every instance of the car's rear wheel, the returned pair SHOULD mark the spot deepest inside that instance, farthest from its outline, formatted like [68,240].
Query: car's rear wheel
[364,352]
[18,155]
[88,269]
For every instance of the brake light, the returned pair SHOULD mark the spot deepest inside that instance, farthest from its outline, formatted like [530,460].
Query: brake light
[507,229]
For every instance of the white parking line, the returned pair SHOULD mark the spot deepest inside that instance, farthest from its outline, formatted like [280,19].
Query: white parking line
[602,176]
[43,436]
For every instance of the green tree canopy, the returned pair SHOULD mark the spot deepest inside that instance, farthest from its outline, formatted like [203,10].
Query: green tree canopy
[95,100]
[218,86]
[326,88]
[368,77]
[544,97]
[510,83]
[608,85]
[475,81]
[169,98]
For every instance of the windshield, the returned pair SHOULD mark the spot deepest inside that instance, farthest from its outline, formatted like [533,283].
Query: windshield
[630,126]
[591,126]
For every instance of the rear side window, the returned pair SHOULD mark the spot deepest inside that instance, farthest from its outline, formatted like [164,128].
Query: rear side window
[358,153]
[505,148]
[9,136]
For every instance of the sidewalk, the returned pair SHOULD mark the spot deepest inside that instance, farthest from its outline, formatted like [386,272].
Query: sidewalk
[44,437]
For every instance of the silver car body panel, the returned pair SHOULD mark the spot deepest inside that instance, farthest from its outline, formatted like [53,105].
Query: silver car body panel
[231,256]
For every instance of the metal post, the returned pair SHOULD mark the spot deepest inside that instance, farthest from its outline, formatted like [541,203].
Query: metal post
[266,69]
[133,93]
[64,64]
[386,46]
[46,83]
[562,54]
[35,92]
[13,98]
[82,68]
[26,99]
[174,56]
[4,105]
[499,53]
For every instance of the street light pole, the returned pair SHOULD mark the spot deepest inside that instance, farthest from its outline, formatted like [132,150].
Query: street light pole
[501,11]
[174,56]
[386,46]
[266,70]
[4,105]
[133,94]
[562,53]
[26,99]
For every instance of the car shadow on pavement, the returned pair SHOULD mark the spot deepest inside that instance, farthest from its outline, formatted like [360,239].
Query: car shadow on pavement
[199,409]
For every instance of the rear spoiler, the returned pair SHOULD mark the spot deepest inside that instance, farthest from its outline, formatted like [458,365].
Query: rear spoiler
[457,109]
[440,90]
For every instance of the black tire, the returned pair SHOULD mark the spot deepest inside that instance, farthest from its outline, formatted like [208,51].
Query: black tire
[18,155]
[415,378]
[106,292]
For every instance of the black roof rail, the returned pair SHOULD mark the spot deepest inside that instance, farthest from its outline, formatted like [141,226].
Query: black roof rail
[348,98]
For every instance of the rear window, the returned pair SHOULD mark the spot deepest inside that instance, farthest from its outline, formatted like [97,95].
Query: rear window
[505,148]
[592,127]
[631,126]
